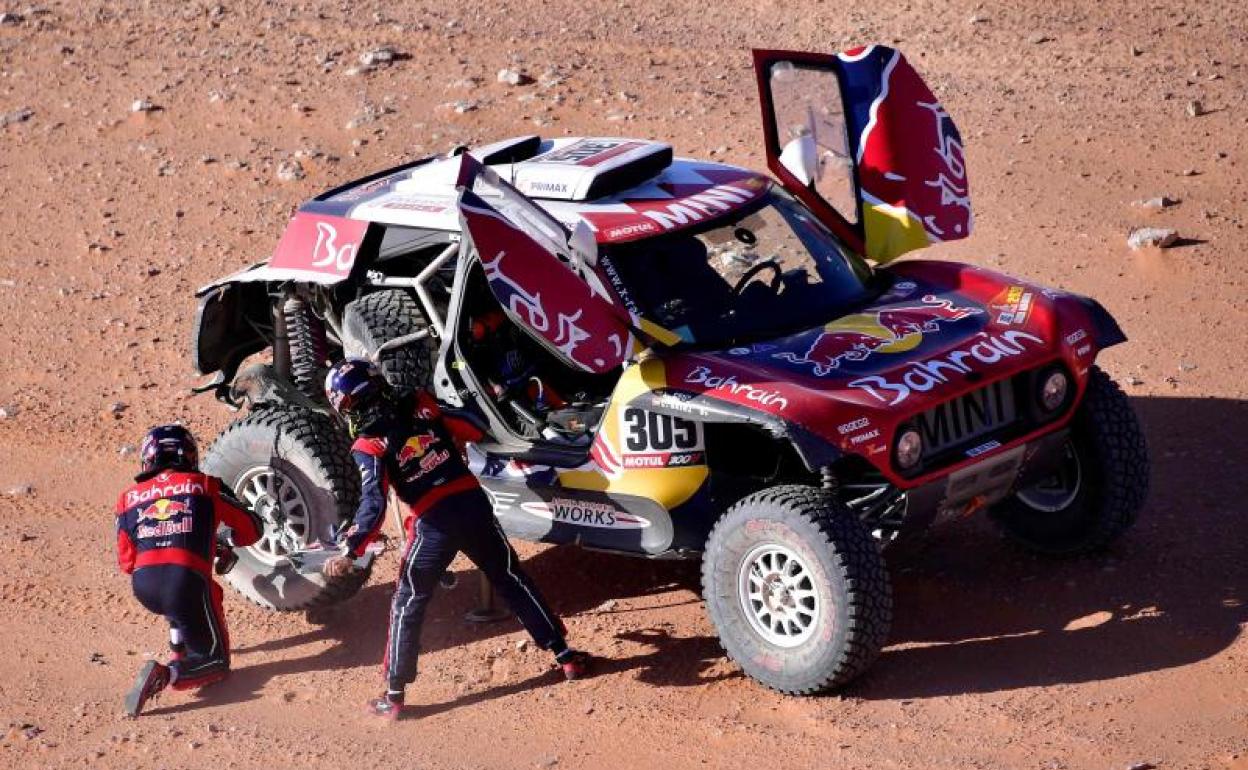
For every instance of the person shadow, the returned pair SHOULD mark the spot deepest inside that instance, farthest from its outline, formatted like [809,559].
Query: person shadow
[358,628]
[972,614]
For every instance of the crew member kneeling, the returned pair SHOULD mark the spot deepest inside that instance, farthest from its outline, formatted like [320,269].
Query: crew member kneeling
[406,445]
[167,537]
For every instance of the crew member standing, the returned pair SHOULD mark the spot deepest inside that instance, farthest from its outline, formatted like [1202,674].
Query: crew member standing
[406,445]
[167,537]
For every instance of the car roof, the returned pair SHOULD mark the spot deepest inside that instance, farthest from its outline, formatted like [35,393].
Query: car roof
[625,189]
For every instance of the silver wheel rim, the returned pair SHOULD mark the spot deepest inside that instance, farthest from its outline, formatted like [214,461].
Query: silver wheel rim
[276,499]
[1058,491]
[778,595]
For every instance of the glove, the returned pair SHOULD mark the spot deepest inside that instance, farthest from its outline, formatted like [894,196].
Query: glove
[225,557]
[337,566]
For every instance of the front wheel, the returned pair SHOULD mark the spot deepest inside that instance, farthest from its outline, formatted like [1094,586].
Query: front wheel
[797,590]
[293,468]
[1099,486]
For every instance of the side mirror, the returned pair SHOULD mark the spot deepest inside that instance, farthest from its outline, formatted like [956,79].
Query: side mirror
[800,158]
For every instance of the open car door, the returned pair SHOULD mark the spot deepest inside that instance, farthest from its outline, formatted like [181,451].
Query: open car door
[543,274]
[860,139]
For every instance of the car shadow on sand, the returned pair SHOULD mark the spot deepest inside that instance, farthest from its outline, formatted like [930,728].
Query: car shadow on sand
[972,613]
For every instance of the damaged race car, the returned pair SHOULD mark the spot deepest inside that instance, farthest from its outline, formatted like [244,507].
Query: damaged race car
[673,358]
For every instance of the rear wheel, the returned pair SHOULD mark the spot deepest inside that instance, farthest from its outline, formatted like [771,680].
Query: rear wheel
[375,319]
[293,468]
[1097,489]
[797,589]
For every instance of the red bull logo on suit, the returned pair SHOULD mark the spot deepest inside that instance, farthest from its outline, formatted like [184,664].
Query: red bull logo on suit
[890,330]
[164,518]
[415,447]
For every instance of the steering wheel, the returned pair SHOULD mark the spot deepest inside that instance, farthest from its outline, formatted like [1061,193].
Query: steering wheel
[774,285]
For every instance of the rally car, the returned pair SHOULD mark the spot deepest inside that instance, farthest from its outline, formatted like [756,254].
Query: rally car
[674,358]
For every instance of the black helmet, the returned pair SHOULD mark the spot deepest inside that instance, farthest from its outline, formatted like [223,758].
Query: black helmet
[169,447]
[358,391]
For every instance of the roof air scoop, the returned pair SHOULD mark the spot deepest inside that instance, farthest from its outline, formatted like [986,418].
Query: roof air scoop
[513,150]
[588,169]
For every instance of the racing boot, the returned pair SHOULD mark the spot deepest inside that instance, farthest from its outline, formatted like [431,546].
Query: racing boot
[575,663]
[387,707]
[153,678]
[196,672]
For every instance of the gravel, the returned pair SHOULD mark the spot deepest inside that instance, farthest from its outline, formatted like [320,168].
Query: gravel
[290,170]
[16,116]
[1154,237]
[513,77]
[1160,202]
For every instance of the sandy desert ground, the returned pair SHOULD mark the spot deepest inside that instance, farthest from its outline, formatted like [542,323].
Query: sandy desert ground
[1072,111]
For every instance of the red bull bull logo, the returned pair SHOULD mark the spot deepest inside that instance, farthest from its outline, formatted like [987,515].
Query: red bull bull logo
[416,447]
[164,518]
[889,330]
[908,153]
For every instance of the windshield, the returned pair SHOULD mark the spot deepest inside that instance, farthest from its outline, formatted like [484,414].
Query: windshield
[765,271]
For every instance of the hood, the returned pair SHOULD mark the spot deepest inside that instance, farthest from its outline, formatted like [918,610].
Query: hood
[941,330]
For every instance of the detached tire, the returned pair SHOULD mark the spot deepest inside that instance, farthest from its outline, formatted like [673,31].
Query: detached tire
[372,320]
[302,459]
[797,590]
[1097,492]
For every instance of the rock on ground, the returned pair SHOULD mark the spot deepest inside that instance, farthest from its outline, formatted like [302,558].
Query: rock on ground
[1156,237]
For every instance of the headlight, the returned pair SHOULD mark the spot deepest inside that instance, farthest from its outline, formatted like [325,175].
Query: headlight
[1053,390]
[909,449]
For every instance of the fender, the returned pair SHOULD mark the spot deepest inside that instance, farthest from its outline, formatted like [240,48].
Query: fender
[224,335]
[1105,330]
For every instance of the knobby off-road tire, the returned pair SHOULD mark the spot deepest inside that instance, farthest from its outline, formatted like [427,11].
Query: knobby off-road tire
[834,574]
[302,458]
[1098,491]
[382,316]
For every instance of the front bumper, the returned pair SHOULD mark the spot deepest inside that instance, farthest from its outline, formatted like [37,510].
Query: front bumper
[991,480]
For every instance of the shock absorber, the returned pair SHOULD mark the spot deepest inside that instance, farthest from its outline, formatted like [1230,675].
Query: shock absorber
[308,346]
[831,482]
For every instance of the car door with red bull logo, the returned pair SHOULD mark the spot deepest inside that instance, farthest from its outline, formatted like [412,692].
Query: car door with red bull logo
[543,274]
[862,141]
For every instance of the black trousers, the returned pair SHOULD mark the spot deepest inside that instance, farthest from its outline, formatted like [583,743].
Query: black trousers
[464,522]
[191,602]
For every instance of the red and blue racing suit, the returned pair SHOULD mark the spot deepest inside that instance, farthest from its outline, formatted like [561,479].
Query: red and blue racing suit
[166,537]
[445,512]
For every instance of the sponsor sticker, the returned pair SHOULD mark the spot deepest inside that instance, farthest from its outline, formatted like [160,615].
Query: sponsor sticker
[658,440]
[849,427]
[1013,307]
[863,438]
[625,231]
[590,152]
[704,375]
[987,446]
[585,514]
[923,376]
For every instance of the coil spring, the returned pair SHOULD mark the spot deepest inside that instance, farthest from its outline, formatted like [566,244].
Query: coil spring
[309,347]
